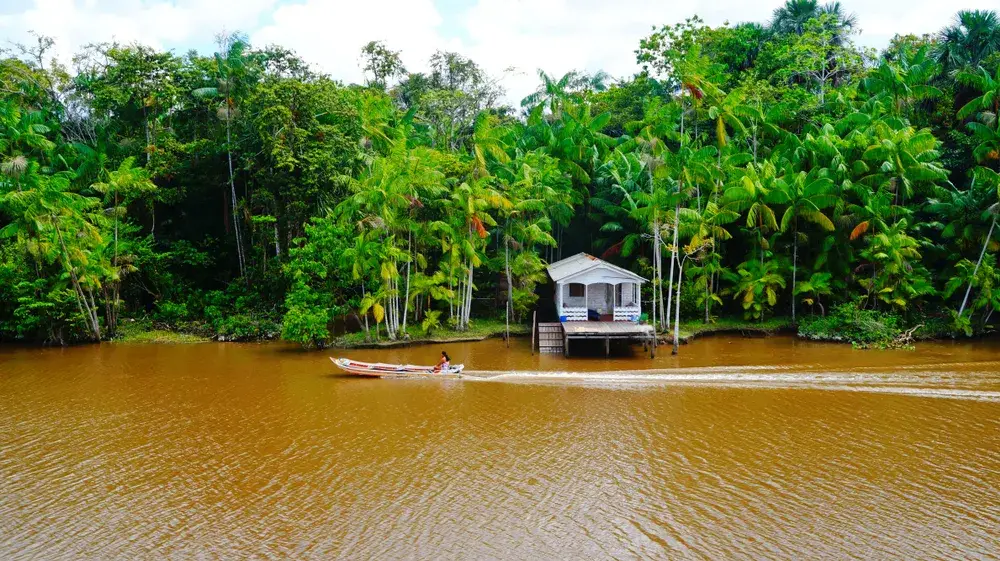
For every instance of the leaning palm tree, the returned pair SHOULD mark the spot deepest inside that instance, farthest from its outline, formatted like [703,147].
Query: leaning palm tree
[992,180]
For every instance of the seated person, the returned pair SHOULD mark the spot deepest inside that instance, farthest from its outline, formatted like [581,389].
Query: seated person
[444,363]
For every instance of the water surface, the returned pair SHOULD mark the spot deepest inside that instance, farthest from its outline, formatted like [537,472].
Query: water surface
[738,448]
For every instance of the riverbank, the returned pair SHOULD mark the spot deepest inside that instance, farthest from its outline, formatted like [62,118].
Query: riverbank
[691,330]
[478,330]
[147,331]
[861,329]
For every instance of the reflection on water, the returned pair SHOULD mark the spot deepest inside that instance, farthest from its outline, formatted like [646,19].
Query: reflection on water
[745,448]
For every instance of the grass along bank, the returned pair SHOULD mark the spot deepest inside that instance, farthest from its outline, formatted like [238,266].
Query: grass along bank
[478,330]
[145,331]
[692,329]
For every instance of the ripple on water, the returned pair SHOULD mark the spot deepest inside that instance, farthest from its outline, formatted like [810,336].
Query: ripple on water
[221,451]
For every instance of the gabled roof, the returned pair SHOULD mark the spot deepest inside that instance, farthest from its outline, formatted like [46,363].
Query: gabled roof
[583,262]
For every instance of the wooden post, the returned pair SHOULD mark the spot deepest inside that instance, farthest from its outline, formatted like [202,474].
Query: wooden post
[565,344]
[534,326]
[607,347]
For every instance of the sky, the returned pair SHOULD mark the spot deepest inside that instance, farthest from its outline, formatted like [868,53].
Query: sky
[511,39]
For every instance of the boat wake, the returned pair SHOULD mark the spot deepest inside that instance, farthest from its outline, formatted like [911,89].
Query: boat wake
[968,381]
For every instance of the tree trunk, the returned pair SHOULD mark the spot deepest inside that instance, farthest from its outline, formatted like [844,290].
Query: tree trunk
[89,315]
[406,298]
[510,290]
[708,295]
[673,257]
[677,310]
[232,187]
[657,277]
[452,292]
[979,262]
[112,311]
[367,330]
[795,261]
[468,300]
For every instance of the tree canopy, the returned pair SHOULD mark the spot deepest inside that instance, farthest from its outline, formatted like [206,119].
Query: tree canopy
[759,169]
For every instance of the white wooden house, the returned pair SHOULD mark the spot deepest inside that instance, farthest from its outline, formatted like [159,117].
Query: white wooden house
[584,282]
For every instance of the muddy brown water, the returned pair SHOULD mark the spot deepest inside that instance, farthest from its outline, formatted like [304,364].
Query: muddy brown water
[738,448]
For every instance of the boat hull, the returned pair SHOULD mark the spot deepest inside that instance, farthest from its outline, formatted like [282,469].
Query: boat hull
[379,370]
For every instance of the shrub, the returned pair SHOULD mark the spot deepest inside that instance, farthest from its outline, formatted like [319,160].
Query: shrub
[849,322]
[171,313]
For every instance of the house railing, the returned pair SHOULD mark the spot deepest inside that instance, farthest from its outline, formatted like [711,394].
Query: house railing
[627,313]
[574,313]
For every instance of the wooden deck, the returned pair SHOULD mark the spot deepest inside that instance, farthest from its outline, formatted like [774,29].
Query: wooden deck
[607,330]
[603,329]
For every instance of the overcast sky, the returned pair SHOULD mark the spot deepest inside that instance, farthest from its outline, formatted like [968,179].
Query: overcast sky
[554,35]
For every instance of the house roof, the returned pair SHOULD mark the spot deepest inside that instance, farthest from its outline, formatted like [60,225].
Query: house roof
[582,263]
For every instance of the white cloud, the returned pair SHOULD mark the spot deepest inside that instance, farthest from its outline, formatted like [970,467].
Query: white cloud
[157,23]
[330,33]
[591,35]
[554,35]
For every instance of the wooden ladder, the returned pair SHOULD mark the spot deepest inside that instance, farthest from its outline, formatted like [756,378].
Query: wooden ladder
[550,337]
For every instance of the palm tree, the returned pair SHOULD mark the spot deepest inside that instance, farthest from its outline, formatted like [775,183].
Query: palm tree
[688,169]
[813,289]
[120,188]
[694,250]
[794,14]
[986,107]
[904,82]
[235,70]
[752,194]
[725,111]
[470,207]
[488,141]
[904,160]
[50,217]
[706,230]
[894,254]
[806,195]
[757,286]
[760,119]
[992,180]
[974,36]
[553,92]
[361,258]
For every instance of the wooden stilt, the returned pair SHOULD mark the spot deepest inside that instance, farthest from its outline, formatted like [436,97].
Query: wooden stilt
[607,347]
[534,326]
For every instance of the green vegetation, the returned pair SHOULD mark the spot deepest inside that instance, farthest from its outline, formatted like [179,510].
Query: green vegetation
[851,323]
[752,171]
[144,331]
[693,329]
[478,330]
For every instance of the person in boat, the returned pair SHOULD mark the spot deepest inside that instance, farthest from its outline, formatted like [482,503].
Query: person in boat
[444,363]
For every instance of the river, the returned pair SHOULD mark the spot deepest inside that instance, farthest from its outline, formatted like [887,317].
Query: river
[738,448]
